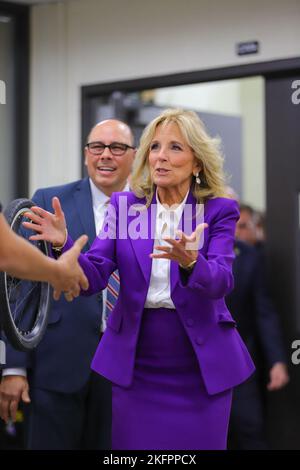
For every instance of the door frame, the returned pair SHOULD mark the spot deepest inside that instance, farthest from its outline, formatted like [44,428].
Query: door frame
[267,69]
[20,14]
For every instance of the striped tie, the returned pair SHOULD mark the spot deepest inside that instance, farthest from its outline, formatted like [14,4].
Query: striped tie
[113,288]
[112,292]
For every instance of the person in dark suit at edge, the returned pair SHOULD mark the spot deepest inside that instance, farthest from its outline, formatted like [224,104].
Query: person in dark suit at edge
[67,405]
[258,324]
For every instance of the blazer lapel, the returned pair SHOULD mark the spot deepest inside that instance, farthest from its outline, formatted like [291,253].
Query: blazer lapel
[143,246]
[83,201]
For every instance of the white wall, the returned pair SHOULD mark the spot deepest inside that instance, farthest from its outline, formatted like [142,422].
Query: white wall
[93,41]
[214,97]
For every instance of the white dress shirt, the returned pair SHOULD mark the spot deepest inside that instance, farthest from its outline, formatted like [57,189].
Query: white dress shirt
[99,201]
[167,221]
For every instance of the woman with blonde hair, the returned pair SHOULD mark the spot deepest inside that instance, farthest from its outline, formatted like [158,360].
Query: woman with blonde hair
[171,348]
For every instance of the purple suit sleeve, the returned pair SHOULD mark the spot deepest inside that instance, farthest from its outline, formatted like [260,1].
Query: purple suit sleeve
[212,273]
[99,262]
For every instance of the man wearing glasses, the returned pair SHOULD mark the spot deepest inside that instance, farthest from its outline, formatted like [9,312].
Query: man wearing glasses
[69,407]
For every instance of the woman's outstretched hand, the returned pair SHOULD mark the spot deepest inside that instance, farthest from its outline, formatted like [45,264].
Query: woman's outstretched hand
[184,250]
[49,227]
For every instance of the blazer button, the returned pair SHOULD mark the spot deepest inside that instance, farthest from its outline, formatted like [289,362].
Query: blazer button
[199,340]
[190,322]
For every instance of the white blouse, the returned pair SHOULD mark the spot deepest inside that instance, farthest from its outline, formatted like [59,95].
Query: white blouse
[167,221]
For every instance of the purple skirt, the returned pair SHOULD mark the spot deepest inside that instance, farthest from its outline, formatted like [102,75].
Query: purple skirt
[167,406]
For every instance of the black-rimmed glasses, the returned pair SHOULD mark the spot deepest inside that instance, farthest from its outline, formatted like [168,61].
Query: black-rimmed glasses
[116,148]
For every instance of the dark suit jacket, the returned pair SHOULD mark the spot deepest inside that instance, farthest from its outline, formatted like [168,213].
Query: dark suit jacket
[62,360]
[252,308]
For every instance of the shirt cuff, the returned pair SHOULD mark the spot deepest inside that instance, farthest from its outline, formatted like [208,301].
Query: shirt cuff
[17,371]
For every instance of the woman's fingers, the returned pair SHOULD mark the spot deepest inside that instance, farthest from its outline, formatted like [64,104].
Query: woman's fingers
[201,227]
[193,244]
[57,207]
[194,236]
[180,249]
[167,252]
[171,241]
[40,212]
[33,217]
[161,256]
[166,249]
[31,226]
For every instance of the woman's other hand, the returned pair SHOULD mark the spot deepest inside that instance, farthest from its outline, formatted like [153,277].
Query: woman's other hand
[184,250]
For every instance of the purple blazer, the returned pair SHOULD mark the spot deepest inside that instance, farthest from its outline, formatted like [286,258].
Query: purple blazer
[198,298]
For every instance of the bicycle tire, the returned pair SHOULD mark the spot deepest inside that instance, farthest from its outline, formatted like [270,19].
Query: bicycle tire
[23,338]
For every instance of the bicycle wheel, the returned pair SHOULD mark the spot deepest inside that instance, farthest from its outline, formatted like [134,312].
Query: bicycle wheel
[24,304]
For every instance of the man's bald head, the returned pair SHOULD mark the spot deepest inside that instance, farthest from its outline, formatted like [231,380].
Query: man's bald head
[114,124]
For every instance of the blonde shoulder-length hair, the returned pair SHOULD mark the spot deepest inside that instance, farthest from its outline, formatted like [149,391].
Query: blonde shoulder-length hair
[205,148]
